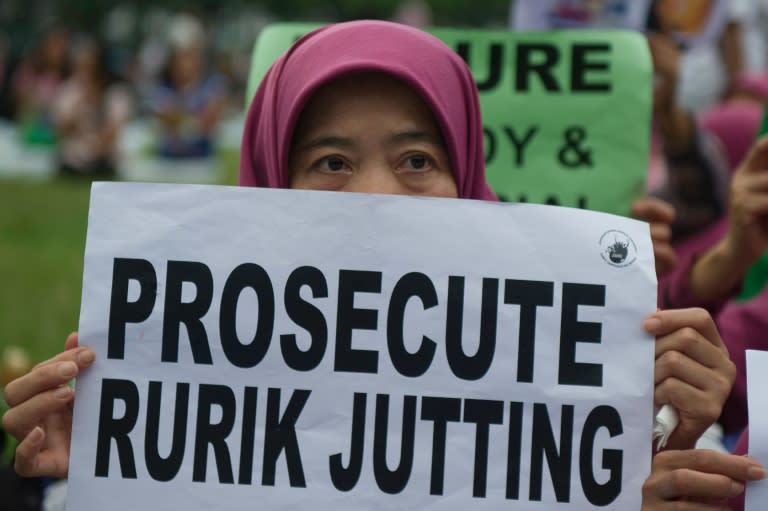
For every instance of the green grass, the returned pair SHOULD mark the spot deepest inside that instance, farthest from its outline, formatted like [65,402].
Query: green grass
[42,238]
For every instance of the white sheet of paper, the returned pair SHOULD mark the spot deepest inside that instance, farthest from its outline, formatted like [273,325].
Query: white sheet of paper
[384,238]
[757,403]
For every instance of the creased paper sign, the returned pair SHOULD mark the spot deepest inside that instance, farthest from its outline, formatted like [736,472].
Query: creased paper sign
[314,350]
[757,402]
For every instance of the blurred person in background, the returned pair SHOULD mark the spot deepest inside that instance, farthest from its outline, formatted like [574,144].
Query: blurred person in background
[736,119]
[715,262]
[36,82]
[711,71]
[416,13]
[88,114]
[189,102]
[735,122]
[712,269]
[722,204]
[687,167]
[751,34]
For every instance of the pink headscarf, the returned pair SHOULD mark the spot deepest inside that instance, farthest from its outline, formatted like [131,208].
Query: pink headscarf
[421,61]
[736,121]
[754,84]
[736,124]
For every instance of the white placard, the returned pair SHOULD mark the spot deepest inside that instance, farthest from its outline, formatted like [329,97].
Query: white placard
[289,349]
[757,403]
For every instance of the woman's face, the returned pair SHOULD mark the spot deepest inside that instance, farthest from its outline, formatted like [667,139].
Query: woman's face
[370,133]
[186,65]
[55,49]
[87,62]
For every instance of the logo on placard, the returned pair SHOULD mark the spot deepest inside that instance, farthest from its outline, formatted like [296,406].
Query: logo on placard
[617,249]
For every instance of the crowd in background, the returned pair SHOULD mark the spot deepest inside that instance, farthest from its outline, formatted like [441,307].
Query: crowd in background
[84,93]
[71,92]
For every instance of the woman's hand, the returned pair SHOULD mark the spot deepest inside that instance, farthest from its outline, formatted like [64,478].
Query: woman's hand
[666,70]
[40,416]
[697,479]
[720,270]
[660,215]
[693,372]
[747,237]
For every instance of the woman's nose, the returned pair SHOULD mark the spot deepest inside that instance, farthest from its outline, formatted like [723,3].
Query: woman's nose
[376,178]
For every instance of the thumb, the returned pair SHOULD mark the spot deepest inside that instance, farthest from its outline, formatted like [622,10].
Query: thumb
[757,158]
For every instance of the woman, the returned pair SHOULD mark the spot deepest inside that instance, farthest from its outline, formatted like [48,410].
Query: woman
[35,84]
[89,113]
[687,168]
[188,104]
[379,107]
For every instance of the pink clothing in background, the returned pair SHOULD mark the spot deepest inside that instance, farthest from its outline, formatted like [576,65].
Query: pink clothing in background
[754,84]
[657,164]
[420,60]
[736,121]
[736,124]
[743,326]
[674,289]
[39,87]
[88,116]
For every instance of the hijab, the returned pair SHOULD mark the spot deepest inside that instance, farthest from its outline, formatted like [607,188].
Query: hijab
[736,124]
[421,61]
[736,121]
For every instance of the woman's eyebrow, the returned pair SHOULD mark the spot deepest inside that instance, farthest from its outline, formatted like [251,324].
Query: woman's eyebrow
[415,136]
[327,141]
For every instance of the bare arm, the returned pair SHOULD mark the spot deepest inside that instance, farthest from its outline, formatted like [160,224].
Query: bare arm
[720,270]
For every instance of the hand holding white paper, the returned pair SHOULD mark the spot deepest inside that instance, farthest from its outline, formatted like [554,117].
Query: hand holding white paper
[664,425]
[315,350]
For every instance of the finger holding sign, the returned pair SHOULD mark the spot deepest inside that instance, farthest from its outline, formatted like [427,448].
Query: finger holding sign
[693,372]
[697,479]
[40,416]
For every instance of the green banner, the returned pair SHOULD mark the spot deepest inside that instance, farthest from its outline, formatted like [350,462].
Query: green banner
[566,113]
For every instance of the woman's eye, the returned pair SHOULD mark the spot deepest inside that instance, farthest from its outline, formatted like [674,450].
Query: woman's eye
[332,164]
[417,162]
